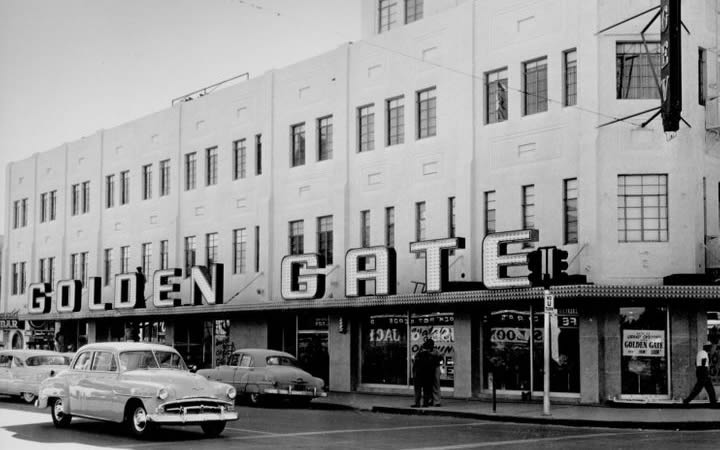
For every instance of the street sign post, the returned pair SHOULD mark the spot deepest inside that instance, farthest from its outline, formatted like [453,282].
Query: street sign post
[549,309]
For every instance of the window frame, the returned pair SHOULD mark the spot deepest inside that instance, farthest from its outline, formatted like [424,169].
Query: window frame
[533,70]
[570,79]
[494,115]
[426,113]
[366,121]
[297,144]
[663,210]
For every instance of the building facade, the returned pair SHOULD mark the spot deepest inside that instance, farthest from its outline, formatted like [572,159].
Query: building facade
[449,119]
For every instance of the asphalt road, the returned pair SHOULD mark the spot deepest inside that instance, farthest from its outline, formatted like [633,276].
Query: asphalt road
[283,427]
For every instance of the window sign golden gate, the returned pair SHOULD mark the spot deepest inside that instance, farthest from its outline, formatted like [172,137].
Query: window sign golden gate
[302,277]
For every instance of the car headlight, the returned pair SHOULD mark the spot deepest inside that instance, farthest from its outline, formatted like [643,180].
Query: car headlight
[231,393]
[162,393]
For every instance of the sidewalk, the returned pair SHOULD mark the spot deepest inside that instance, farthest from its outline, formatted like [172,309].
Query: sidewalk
[696,417]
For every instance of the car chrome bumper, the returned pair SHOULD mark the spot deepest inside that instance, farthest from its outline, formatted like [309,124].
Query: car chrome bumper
[193,418]
[293,392]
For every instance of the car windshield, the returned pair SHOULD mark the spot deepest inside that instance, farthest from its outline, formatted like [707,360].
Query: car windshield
[48,360]
[148,359]
[280,361]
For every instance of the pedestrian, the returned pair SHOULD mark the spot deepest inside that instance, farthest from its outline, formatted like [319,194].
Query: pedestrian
[423,377]
[437,371]
[703,377]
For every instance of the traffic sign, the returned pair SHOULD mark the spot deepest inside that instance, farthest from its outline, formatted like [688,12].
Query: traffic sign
[549,302]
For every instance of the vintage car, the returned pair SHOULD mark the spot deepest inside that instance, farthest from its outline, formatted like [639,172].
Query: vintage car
[141,385]
[21,371]
[261,374]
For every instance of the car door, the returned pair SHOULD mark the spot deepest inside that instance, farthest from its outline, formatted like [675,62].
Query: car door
[99,385]
[18,373]
[243,372]
[78,388]
[5,362]
[226,373]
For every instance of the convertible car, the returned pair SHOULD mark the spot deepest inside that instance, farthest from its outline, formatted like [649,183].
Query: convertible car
[261,374]
[141,385]
[21,371]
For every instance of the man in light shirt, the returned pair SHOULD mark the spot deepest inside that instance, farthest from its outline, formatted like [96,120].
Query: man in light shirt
[702,361]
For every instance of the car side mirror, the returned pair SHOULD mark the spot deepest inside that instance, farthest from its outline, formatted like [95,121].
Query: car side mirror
[193,368]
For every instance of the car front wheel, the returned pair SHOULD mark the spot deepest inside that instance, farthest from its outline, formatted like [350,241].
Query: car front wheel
[213,429]
[29,397]
[255,398]
[59,417]
[137,422]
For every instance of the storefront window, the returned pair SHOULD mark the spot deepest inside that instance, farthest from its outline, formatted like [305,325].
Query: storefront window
[713,336]
[224,347]
[385,349]
[312,342]
[194,341]
[564,351]
[441,329]
[644,365]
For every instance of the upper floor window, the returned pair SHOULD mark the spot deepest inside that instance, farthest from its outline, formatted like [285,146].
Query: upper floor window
[325,138]
[634,70]
[528,207]
[395,116]
[211,248]
[125,259]
[420,225]
[211,166]
[53,205]
[390,226]
[570,78]
[365,228]
[258,154]
[164,177]
[75,199]
[110,191]
[366,128]
[325,238]
[190,171]
[46,270]
[296,237]
[124,187]
[496,86]
[570,210]
[239,159]
[85,197]
[413,10]
[702,75]
[18,278]
[190,253]
[426,113]
[147,182]
[107,266]
[387,14]
[643,208]
[297,137]
[240,250]
[489,212]
[44,207]
[535,86]
[147,258]
[164,255]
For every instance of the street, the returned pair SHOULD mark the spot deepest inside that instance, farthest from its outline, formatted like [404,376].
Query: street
[24,427]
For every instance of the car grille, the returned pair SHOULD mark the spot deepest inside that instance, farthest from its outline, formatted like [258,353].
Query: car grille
[193,407]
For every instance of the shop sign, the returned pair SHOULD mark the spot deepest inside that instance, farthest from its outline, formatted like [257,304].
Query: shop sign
[9,321]
[645,343]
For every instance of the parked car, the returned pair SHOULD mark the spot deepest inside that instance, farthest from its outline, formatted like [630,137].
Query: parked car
[261,374]
[21,371]
[141,385]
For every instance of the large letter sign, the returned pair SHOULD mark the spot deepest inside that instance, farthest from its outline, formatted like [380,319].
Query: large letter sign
[70,293]
[95,302]
[384,273]
[127,295]
[302,270]
[162,288]
[436,260]
[496,260]
[39,298]
[201,287]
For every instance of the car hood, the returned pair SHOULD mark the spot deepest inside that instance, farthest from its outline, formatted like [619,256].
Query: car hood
[183,383]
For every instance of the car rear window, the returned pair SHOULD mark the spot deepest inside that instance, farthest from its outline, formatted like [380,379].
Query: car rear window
[48,360]
[280,361]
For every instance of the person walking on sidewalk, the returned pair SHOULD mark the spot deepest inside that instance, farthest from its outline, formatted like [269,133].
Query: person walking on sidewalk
[423,377]
[702,361]
[437,371]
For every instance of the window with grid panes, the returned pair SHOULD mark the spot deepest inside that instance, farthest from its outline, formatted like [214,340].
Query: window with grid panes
[211,166]
[325,138]
[211,249]
[297,138]
[420,225]
[365,228]
[570,209]
[85,197]
[164,177]
[75,200]
[164,255]
[190,171]
[325,238]
[702,75]
[643,208]
[147,182]
[528,210]
[634,68]
[390,226]
[395,116]
[146,258]
[190,253]
[496,96]
[366,128]
[413,10]
[107,266]
[426,113]
[110,191]
[53,204]
[535,86]
[124,187]
[239,159]
[387,14]
[296,237]
[240,250]
[43,207]
[570,78]
[124,259]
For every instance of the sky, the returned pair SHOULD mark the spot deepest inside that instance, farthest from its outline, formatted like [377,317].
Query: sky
[69,68]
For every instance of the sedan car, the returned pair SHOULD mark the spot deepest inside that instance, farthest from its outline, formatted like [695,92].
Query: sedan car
[261,374]
[138,384]
[21,371]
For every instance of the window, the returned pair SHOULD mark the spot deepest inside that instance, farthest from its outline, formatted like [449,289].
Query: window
[258,154]
[257,249]
[420,225]
[43,207]
[53,204]
[642,208]
[426,113]
[75,200]
[528,207]
[413,10]
[451,217]
[644,371]
[46,270]
[535,86]
[211,248]
[85,197]
[190,171]
[14,290]
[366,128]
[104,362]
[297,137]
[570,210]
[634,70]
[296,237]
[146,258]
[496,85]
[78,267]
[124,187]
[109,191]
[164,255]
[239,250]
[125,259]
[239,159]
[211,166]
[702,75]
[147,182]
[325,238]
[387,14]
[325,138]
[107,266]
[395,116]
[74,265]
[570,78]
[23,212]
[390,226]
[164,177]
[365,228]
[189,254]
